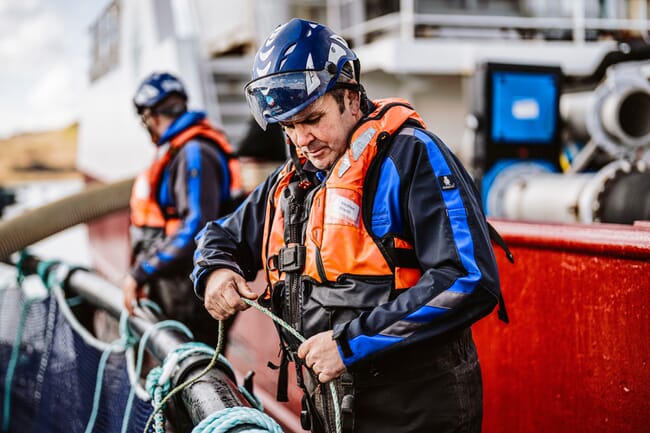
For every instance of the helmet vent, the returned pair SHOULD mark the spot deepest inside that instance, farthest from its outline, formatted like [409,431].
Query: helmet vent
[290,49]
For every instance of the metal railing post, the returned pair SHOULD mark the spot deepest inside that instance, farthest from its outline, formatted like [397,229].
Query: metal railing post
[407,20]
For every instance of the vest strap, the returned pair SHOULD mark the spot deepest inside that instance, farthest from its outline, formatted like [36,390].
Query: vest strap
[400,257]
[281,393]
[496,237]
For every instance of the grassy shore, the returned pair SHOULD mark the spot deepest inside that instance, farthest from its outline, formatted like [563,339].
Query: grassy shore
[39,156]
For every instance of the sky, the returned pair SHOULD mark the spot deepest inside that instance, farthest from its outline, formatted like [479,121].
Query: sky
[44,57]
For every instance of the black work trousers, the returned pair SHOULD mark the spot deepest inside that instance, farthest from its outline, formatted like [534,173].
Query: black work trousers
[432,387]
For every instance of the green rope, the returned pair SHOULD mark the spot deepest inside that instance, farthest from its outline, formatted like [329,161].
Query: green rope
[75,301]
[208,422]
[117,344]
[48,278]
[126,340]
[157,389]
[22,256]
[285,325]
[252,398]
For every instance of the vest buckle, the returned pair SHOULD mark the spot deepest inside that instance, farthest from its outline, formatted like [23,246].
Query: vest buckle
[292,258]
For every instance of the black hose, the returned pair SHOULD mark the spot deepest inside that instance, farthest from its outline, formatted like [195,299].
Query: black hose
[625,199]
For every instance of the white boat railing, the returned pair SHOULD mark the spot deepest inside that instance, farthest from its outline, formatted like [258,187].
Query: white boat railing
[407,22]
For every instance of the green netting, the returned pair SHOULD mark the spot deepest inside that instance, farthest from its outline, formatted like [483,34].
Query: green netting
[48,373]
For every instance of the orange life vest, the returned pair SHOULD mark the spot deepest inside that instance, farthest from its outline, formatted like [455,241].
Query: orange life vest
[145,211]
[337,241]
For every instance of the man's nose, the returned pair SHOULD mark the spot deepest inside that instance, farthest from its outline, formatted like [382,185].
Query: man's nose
[304,135]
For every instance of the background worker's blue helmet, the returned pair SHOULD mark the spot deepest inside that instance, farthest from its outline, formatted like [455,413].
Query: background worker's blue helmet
[297,64]
[155,88]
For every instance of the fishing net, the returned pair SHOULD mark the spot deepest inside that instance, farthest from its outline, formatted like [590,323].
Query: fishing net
[48,373]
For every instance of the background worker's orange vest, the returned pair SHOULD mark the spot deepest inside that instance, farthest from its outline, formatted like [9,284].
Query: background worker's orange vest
[145,211]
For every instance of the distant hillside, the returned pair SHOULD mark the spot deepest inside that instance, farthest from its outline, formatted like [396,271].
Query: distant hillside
[39,156]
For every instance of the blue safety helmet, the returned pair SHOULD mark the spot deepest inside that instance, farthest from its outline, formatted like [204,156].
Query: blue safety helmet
[297,64]
[155,88]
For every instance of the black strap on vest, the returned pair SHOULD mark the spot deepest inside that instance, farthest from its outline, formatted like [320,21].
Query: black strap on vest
[290,260]
[281,393]
[496,237]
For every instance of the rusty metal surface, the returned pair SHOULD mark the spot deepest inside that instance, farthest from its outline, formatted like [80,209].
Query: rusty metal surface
[575,356]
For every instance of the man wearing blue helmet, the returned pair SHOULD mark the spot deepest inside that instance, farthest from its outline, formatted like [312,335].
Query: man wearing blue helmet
[192,179]
[374,246]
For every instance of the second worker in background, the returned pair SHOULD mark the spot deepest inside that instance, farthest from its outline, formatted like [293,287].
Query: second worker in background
[193,179]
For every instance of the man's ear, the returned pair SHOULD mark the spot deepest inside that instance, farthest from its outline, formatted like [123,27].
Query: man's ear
[354,101]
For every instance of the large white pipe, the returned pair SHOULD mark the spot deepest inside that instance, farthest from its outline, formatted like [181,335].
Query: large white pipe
[616,115]
[545,198]
[626,115]
[527,193]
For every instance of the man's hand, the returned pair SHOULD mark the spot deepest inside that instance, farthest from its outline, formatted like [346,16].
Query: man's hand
[321,354]
[132,292]
[223,292]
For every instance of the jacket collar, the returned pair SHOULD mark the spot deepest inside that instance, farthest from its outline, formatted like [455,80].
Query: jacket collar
[183,122]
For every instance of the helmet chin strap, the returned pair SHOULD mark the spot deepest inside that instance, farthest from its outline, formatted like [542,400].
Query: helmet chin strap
[304,181]
[364,102]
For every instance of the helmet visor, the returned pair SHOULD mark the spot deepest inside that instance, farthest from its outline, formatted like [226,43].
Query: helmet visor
[277,97]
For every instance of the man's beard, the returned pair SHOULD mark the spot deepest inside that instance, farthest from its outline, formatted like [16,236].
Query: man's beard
[153,134]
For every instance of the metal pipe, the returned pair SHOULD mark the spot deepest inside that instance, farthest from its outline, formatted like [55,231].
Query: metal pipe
[615,115]
[626,115]
[541,197]
[615,194]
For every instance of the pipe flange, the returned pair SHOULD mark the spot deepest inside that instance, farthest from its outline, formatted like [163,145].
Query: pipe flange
[625,82]
[588,204]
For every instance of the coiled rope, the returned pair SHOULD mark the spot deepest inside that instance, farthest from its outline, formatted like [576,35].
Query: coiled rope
[226,420]
[221,421]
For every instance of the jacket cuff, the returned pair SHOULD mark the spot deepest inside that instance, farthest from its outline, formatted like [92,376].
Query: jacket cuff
[139,275]
[340,336]
[200,277]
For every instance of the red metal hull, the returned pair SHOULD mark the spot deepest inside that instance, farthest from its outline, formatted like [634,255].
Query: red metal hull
[575,356]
